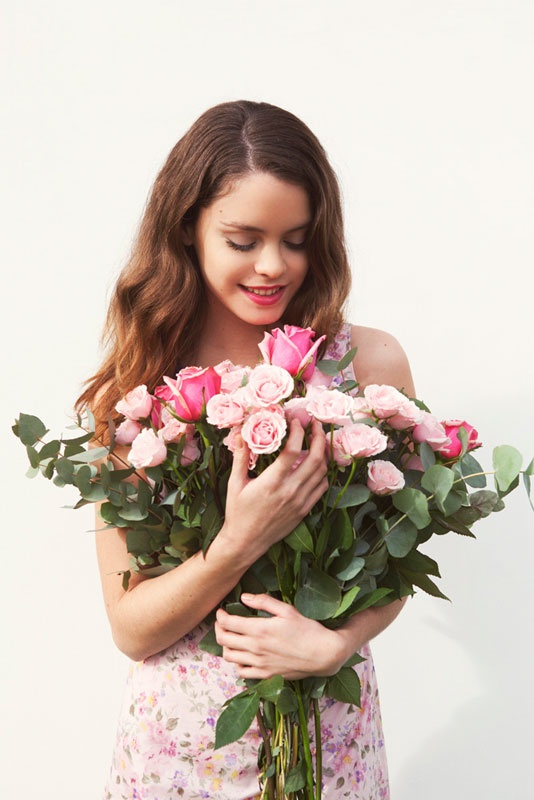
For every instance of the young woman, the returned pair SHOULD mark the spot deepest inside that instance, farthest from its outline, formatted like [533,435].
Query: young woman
[243,232]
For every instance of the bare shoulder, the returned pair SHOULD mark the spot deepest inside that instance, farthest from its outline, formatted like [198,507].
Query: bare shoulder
[380,359]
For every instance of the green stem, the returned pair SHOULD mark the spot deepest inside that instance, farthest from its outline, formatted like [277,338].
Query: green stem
[318,750]
[305,743]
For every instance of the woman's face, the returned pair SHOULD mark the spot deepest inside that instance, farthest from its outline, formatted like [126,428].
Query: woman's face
[250,243]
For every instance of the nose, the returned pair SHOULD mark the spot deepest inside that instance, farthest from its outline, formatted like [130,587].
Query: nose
[270,262]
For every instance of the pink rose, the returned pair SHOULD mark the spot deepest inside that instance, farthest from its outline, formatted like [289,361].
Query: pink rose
[232,376]
[190,453]
[296,408]
[127,431]
[329,405]
[292,349]
[264,430]
[191,390]
[431,430]
[230,442]
[454,449]
[268,384]
[137,404]
[356,441]
[173,429]
[318,378]
[360,408]
[224,411]
[147,450]
[406,417]
[384,477]
[384,400]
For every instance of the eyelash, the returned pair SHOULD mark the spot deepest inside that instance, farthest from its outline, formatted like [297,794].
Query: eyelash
[245,248]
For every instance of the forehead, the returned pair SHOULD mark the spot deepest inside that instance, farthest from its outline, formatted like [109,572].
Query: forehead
[259,196]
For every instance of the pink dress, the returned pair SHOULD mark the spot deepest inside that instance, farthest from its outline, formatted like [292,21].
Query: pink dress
[165,740]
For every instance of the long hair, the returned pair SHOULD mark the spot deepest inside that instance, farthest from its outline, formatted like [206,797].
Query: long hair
[157,309]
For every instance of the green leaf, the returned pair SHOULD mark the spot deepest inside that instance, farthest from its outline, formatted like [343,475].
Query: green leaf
[344,686]
[296,778]
[286,702]
[347,566]
[209,643]
[319,597]
[29,429]
[347,359]
[424,583]
[33,456]
[347,600]
[438,480]
[414,504]
[328,367]
[527,482]
[300,539]
[354,495]
[236,718]
[507,464]
[342,528]
[427,455]
[419,562]
[88,456]
[469,466]
[373,598]
[211,524]
[270,688]
[486,502]
[88,490]
[65,470]
[402,537]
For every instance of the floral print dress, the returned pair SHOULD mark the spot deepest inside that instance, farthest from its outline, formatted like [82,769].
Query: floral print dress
[165,740]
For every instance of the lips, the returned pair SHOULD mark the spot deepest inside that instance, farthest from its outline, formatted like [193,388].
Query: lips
[263,295]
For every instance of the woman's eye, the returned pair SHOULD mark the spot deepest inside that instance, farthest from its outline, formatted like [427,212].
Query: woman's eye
[295,245]
[243,248]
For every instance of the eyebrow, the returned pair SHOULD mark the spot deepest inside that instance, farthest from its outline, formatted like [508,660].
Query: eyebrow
[252,229]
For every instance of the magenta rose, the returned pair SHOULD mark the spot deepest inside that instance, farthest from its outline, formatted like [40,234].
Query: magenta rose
[383,477]
[293,349]
[264,430]
[454,448]
[135,405]
[147,450]
[191,390]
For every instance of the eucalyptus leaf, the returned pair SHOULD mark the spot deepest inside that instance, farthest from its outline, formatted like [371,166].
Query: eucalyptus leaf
[29,429]
[414,504]
[319,597]
[300,539]
[427,455]
[401,538]
[507,464]
[354,495]
[438,480]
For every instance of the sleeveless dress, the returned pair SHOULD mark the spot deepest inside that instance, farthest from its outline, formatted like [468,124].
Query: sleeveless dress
[165,740]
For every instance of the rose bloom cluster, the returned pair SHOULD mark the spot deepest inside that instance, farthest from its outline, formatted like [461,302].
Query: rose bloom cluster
[257,404]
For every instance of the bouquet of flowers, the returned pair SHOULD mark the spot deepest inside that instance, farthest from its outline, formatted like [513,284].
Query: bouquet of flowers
[397,475]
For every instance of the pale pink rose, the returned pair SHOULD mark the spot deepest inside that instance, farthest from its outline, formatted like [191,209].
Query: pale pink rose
[384,477]
[127,431]
[232,375]
[137,404]
[268,384]
[230,442]
[224,411]
[318,378]
[264,430]
[384,400]
[292,349]
[147,450]
[329,405]
[431,431]
[360,408]
[173,430]
[406,417]
[356,441]
[296,408]
[190,453]
[453,450]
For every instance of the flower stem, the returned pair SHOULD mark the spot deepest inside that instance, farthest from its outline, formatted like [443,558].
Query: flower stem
[318,750]
[305,743]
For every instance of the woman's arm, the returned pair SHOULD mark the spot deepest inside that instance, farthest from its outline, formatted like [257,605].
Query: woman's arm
[154,613]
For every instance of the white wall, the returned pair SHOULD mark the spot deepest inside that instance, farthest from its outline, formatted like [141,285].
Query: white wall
[425,109]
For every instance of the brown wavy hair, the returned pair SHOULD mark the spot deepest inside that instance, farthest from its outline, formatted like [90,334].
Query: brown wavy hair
[158,305]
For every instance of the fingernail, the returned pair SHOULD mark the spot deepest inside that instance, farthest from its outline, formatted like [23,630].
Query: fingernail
[247,598]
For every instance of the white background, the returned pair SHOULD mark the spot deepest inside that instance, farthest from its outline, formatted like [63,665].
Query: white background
[425,109]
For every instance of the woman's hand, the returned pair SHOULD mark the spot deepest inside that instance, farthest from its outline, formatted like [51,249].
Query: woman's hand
[263,510]
[286,643]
